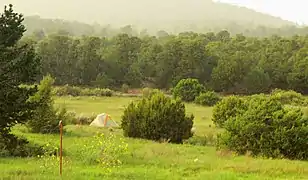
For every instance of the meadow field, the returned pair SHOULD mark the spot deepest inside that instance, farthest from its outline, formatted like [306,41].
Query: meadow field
[143,159]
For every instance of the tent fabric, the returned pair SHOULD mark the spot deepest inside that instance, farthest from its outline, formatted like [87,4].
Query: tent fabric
[103,120]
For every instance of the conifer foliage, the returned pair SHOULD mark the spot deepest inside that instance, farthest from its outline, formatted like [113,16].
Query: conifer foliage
[18,65]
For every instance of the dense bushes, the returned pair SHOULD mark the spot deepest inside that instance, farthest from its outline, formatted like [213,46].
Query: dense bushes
[78,91]
[227,108]
[157,117]
[208,98]
[148,92]
[289,97]
[187,89]
[11,145]
[83,119]
[46,118]
[266,128]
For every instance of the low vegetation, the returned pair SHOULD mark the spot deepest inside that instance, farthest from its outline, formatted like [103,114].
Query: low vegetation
[209,98]
[263,127]
[227,108]
[158,118]
[188,89]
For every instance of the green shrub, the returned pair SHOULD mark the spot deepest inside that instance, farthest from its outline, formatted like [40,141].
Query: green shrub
[102,92]
[107,92]
[157,118]
[227,108]
[78,91]
[67,91]
[11,145]
[87,92]
[289,97]
[205,140]
[147,92]
[84,120]
[46,118]
[267,129]
[197,141]
[187,89]
[124,88]
[209,98]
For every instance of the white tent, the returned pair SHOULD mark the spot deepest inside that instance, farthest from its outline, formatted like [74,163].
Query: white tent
[103,120]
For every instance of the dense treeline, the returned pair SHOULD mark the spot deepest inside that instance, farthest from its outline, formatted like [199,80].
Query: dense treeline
[222,63]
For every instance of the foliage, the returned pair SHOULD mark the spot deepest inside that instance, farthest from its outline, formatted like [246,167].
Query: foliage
[79,91]
[125,88]
[46,117]
[289,97]
[268,129]
[257,81]
[148,92]
[11,145]
[50,160]
[209,98]
[83,119]
[187,89]
[157,118]
[106,150]
[18,65]
[227,108]
[223,63]
[205,140]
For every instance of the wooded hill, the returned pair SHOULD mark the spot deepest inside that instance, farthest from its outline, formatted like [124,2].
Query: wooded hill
[141,17]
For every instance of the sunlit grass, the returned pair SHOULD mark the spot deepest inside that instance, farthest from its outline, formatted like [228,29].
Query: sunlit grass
[145,159]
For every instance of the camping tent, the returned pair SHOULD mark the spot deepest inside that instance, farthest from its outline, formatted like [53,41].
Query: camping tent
[103,120]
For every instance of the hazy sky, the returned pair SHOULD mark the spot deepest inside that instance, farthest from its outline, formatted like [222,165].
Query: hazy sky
[293,10]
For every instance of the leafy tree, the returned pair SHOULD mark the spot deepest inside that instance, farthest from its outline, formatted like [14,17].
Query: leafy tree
[228,64]
[18,64]
[257,81]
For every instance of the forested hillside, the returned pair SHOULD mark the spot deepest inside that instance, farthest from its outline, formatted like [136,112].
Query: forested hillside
[37,25]
[223,63]
[142,17]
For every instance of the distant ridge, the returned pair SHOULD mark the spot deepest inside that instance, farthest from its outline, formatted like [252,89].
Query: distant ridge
[170,15]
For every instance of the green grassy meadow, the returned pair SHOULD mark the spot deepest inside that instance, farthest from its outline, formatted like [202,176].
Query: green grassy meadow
[144,159]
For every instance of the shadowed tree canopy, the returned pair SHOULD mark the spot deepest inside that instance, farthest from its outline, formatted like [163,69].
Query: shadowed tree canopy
[18,64]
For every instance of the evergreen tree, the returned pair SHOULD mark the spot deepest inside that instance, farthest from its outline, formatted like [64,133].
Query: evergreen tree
[18,65]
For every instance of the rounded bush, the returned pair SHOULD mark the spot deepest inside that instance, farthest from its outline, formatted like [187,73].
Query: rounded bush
[11,145]
[267,129]
[157,117]
[209,98]
[227,108]
[289,97]
[187,89]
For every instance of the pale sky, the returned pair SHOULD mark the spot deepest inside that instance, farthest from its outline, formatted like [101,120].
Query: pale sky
[293,10]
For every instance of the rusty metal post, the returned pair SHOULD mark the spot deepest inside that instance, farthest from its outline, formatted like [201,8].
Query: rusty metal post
[61,134]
